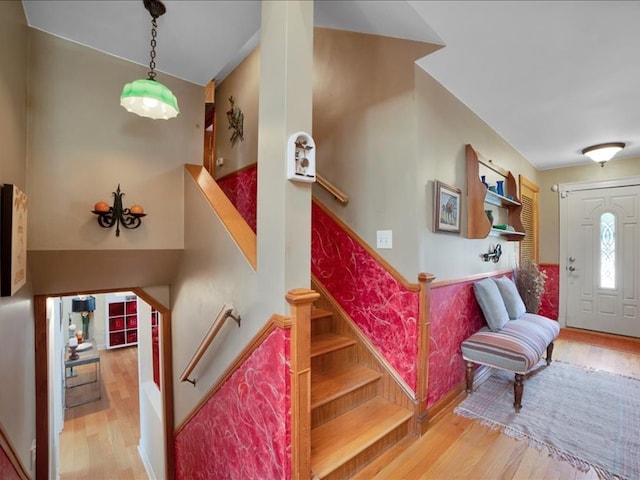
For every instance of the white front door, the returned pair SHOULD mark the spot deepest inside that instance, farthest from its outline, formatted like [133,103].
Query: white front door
[603,260]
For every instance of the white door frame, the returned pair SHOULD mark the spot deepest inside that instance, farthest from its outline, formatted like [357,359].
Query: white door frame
[564,191]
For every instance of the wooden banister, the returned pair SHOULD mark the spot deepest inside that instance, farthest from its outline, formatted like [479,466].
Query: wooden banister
[338,194]
[227,311]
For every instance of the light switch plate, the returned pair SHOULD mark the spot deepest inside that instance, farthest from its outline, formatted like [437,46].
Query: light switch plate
[384,239]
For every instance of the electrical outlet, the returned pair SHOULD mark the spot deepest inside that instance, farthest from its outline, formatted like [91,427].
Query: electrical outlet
[384,239]
[219,162]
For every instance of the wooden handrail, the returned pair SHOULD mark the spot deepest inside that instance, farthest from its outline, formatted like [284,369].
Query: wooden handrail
[227,311]
[338,194]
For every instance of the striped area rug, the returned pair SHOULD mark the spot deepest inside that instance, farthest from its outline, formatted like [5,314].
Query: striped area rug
[587,417]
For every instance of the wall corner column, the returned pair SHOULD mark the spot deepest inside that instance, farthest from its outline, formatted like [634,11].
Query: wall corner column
[285,107]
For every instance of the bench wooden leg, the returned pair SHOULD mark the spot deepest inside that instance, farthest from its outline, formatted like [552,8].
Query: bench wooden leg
[469,376]
[518,387]
[549,353]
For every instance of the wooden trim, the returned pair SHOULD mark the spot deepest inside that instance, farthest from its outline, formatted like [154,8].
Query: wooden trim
[10,452]
[235,172]
[440,408]
[210,92]
[338,194]
[453,396]
[424,336]
[533,192]
[274,322]
[469,278]
[414,287]
[300,302]
[42,390]
[166,380]
[237,227]
[492,166]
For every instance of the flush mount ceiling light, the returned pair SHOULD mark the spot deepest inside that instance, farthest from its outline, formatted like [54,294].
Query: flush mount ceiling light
[148,97]
[603,152]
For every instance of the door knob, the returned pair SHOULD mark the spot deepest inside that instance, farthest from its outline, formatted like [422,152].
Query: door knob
[572,259]
[572,268]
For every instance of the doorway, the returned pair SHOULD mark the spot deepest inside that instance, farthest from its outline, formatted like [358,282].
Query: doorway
[600,262]
[46,385]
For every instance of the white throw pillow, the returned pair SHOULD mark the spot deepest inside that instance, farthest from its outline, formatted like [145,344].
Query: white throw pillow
[511,297]
[491,304]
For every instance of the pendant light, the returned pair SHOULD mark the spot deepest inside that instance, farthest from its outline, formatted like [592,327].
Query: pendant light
[148,97]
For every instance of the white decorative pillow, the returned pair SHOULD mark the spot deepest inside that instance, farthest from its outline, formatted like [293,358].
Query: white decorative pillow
[511,297]
[491,304]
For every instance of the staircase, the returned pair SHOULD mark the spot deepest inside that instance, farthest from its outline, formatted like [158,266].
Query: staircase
[351,421]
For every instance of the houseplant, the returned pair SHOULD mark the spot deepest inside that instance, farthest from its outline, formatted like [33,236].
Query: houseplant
[530,281]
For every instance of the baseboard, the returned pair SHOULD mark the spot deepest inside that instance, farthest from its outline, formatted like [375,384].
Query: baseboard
[436,411]
[146,463]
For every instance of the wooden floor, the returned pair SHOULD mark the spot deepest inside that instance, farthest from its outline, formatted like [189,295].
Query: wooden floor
[100,439]
[456,447]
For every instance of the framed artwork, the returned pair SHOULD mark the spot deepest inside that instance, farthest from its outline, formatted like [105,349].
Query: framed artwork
[13,240]
[446,208]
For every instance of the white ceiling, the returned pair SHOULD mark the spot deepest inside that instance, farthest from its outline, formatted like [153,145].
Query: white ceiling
[551,77]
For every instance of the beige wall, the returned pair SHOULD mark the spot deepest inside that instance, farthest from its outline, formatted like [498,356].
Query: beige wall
[213,272]
[385,130]
[445,125]
[17,372]
[549,201]
[83,144]
[364,128]
[242,84]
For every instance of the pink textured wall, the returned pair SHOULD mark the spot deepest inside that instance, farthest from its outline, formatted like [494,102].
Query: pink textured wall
[7,471]
[455,315]
[244,430]
[549,305]
[383,309]
[380,305]
[241,188]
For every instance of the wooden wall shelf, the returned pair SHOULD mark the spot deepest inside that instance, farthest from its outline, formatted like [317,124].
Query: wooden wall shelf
[478,224]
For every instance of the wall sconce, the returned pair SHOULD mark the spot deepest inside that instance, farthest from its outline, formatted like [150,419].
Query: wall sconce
[603,152]
[130,218]
[493,255]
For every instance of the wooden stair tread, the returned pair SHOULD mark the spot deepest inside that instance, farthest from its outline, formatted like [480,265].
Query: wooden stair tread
[336,442]
[335,382]
[328,342]
[320,313]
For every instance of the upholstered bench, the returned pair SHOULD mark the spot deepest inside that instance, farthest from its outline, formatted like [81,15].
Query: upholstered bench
[513,340]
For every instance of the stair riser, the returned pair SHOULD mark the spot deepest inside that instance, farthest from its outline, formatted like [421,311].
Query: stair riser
[343,404]
[322,325]
[333,359]
[351,467]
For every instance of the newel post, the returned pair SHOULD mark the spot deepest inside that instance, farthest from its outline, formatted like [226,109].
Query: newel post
[424,337]
[301,301]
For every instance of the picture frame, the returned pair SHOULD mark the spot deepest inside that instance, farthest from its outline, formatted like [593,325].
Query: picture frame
[13,239]
[447,208]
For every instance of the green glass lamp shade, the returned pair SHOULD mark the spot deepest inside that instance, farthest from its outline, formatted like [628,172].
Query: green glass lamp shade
[149,98]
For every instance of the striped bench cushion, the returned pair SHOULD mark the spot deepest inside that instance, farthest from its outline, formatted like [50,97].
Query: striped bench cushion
[517,347]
